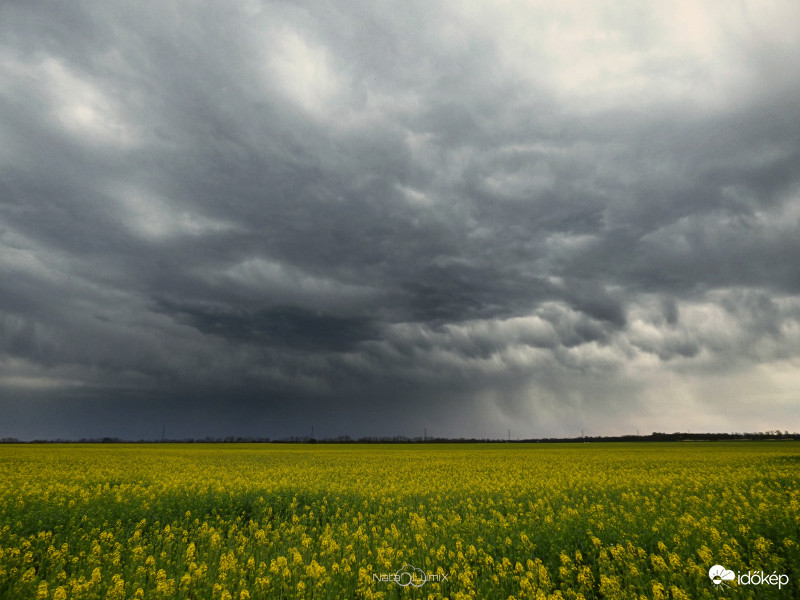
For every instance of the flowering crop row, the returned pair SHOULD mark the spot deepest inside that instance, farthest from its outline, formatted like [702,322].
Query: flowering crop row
[504,521]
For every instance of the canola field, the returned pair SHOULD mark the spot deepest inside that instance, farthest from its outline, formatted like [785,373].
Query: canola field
[494,521]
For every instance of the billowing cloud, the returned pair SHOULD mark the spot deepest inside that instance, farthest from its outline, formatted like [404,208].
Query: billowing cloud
[465,217]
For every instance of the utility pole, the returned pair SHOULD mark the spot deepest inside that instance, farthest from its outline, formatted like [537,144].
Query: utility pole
[509,435]
[163,431]
[425,435]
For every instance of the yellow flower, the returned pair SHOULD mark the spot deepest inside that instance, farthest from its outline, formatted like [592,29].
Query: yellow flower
[658,591]
[41,592]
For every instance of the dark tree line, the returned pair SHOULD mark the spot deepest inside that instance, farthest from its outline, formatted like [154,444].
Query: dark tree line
[345,439]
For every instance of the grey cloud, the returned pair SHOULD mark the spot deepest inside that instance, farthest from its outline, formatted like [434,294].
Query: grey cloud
[370,210]
[290,327]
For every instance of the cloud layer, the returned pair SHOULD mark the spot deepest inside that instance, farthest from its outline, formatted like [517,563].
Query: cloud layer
[245,219]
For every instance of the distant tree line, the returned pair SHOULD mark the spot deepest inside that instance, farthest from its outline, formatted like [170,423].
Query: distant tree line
[399,439]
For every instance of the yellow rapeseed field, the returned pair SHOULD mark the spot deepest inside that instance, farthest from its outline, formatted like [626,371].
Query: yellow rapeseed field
[238,522]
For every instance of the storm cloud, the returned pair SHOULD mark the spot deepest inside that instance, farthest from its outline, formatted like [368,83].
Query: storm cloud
[246,218]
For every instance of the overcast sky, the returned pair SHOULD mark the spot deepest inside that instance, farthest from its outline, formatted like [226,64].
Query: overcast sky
[248,218]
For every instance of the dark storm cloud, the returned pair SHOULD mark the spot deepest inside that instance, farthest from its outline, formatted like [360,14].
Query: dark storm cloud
[485,214]
[283,326]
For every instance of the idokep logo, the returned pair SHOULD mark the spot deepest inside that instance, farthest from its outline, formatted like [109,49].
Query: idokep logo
[719,575]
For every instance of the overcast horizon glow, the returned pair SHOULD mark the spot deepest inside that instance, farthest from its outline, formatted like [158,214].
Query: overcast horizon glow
[248,218]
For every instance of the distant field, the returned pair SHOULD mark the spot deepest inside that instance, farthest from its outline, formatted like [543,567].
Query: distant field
[407,521]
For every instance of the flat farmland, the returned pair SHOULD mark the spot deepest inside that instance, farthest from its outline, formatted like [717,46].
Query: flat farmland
[230,521]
